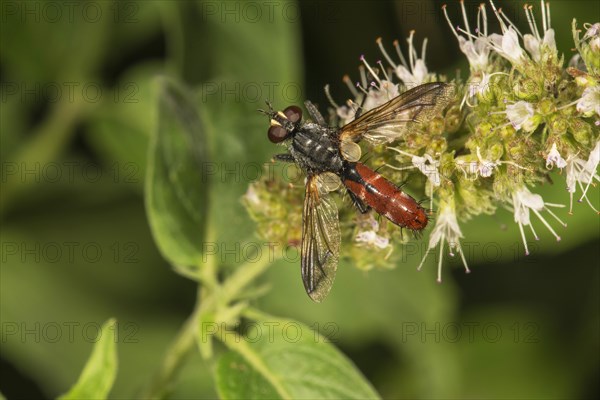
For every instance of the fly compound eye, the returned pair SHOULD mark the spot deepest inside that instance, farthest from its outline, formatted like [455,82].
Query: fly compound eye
[277,133]
[293,114]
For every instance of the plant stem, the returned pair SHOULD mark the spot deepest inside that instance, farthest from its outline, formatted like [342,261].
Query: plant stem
[174,359]
[210,299]
[242,277]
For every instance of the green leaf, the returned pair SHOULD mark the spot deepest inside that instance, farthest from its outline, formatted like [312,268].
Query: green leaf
[74,42]
[284,359]
[208,55]
[176,195]
[100,371]
[120,129]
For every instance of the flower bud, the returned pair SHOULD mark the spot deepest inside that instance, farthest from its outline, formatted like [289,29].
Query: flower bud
[558,124]
[496,151]
[484,129]
[528,89]
[591,55]
[507,132]
[438,144]
[581,131]
[436,126]
[546,106]
[453,119]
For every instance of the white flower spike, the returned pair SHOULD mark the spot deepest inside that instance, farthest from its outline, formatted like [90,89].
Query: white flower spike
[589,103]
[507,45]
[371,238]
[535,43]
[485,168]
[554,158]
[475,47]
[581,172]
[411,73]
[446,230]
[523,202]
[520,115]
[426,164]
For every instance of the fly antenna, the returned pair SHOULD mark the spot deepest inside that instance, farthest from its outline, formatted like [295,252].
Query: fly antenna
[268,103]
[267,113]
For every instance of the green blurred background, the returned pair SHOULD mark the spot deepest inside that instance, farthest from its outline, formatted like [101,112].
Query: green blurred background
[78,105]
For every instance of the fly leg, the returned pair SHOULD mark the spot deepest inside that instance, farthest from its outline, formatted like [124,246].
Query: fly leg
[286,157]
[358,203]
[314,113]
[360,108]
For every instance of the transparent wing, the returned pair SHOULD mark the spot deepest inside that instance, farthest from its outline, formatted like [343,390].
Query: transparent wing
[390,120]
[320,240]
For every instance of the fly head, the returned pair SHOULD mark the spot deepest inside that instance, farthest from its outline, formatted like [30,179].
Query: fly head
[283,124]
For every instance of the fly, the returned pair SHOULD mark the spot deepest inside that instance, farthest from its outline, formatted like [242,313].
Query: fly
[330,157]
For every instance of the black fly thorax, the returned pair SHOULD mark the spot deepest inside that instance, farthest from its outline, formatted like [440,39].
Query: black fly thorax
[315,149]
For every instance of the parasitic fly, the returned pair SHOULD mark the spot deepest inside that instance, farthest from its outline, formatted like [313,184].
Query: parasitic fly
[330,156]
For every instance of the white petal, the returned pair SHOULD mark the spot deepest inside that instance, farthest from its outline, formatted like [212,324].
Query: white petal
[420,72]
[519,113]
[595,44]
[589,102]
[532,45]
[594,159]
[531,200]
[496,40]
[252,196]
[404,74]
[522,215]
[593,31]
[372,238]
[511,47]
[477,52]
[554,158]
[549,40]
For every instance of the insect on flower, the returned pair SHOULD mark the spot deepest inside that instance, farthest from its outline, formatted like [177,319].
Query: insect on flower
[330,157]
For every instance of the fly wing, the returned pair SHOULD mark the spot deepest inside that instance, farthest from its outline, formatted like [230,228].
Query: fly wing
[320,241]
[390,120]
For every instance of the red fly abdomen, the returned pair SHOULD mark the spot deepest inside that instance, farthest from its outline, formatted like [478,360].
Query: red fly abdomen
[385,197]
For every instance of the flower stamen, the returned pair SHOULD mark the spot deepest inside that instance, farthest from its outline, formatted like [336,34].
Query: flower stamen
[531,20]
[453,29]
[328,95]
[363,75]
[373,73]
[385,54]
[554,215]
[483,12]
[535,235]
[351,87]
[402,59]
[536,212]
[464,13]
[383,71]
